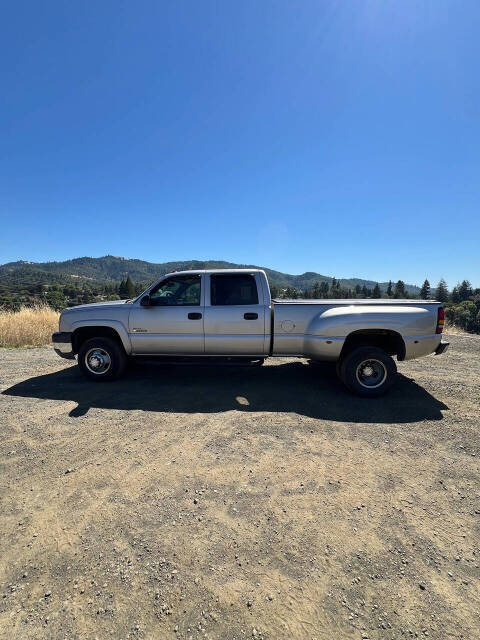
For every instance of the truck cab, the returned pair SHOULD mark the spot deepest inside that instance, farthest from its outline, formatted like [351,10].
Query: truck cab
[209,313]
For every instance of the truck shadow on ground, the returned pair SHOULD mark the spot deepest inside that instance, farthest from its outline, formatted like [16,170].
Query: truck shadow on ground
[312,391]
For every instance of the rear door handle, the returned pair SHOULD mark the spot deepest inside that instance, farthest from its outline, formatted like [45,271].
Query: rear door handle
[194,316]
[250,316]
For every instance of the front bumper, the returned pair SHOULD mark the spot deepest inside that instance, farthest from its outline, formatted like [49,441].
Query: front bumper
[62,344]
[443,346]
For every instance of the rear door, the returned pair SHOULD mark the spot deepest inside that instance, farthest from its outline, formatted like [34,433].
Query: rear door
[234,315]
[173,324]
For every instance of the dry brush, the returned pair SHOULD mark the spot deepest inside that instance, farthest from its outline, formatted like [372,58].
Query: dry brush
[28,327]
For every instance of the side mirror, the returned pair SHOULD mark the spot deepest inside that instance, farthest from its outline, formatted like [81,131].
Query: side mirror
[145,301]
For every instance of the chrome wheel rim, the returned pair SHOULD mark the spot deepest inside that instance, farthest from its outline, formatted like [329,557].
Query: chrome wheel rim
[98,361]
[371,373]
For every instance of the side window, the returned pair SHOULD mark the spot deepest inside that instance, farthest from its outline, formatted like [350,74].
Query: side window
[233,289]
[177,291]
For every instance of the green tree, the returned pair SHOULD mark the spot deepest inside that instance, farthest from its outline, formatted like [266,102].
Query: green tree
[274,291]
[130,287]
[122,290]
[441,293]
[425,290]
[400,290]
[55,298]
[465,290]
[376,291]
[389,289]
[465,315]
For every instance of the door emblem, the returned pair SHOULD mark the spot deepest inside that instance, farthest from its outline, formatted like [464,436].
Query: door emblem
[288,325]
[137,330]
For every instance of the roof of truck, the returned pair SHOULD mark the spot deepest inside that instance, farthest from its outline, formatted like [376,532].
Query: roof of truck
[190,271]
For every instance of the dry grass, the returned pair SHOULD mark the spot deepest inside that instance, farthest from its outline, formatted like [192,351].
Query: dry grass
[29,327]
[454,329]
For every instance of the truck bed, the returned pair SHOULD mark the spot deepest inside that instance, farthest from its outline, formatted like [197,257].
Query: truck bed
[318,328]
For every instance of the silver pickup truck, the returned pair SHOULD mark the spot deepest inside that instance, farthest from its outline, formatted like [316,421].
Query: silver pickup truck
[229,314]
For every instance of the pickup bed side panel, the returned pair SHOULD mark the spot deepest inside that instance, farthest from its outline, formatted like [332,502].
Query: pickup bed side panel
[319,331]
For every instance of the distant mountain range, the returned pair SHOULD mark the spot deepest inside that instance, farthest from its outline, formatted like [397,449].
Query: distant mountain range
[115,269]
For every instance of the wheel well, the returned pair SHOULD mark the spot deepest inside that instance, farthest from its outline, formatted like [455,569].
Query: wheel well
[85,333]
[390,341]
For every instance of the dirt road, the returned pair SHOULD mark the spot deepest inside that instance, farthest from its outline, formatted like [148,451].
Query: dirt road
[231,503]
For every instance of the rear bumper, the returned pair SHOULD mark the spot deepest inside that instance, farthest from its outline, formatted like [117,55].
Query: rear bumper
[443,346]
[62,344]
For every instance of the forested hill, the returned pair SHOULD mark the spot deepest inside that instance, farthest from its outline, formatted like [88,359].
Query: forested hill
[113,269]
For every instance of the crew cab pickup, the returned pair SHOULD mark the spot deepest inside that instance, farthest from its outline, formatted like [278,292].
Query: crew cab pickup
[229,314]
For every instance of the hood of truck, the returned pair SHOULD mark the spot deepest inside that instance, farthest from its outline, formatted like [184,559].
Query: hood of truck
[94,305]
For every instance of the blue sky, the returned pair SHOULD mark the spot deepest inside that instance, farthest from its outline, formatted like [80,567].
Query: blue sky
[330,136]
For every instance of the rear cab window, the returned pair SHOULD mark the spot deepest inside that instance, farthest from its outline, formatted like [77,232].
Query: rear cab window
[233,289]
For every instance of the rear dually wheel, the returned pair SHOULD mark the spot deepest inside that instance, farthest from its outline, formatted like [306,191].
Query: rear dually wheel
[367,371]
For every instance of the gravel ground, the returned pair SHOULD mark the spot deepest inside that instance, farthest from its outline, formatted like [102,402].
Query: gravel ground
[230,503]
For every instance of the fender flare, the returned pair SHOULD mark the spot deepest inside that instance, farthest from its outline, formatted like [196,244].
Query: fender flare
[117,326]
[341,321]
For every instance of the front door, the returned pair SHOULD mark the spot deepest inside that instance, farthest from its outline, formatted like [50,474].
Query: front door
[173,323]
[234,315]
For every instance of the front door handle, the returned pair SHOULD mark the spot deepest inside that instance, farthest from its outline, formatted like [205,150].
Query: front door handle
[250,316]
[194,316]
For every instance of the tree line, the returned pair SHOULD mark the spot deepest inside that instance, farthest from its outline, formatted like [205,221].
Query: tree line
[335,290]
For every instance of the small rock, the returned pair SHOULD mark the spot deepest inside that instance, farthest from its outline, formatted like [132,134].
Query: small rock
[249,603]
[422,586]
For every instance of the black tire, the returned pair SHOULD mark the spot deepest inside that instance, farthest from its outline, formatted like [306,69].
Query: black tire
[108,353]
[367,371]
[338,367]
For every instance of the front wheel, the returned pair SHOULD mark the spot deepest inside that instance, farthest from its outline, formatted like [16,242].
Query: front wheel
[101,359]
[367,371]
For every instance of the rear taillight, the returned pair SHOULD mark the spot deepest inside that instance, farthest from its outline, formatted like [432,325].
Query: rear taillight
[440,319]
